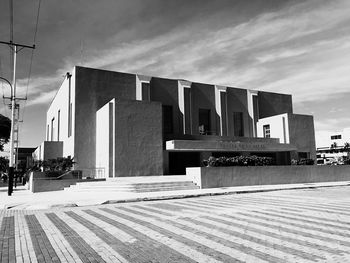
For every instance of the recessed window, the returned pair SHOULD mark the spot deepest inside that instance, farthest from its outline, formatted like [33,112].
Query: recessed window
[238,127]
[58,124]
[146,91]
[204,121]
[167,119]
[266,130]
[52,128]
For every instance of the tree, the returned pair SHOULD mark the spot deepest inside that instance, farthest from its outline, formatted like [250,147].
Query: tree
[5,131]
[334,145]
[347,148]
[4,165]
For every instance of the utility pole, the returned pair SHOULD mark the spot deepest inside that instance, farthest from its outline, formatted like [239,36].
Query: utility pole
[15,48]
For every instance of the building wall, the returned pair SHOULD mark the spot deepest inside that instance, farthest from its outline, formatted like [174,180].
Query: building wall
[166,92]
[129,138]
[104,144]
[48,150]
[295,129]
[213,177]
[237,101]
[59,113]
[94,88]
[328,141]
[203,97]
[271,104]
[279,127]
[302,134]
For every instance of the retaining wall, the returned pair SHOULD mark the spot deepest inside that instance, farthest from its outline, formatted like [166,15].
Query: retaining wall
[211,177]
[38,182]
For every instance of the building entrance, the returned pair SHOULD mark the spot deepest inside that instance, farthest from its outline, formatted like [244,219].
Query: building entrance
[178,161]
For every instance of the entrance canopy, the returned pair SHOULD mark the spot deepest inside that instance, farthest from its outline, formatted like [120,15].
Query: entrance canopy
[228,146]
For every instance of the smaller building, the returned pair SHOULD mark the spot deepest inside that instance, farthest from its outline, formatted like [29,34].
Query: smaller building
[24,158]
[335,148]
[290,128]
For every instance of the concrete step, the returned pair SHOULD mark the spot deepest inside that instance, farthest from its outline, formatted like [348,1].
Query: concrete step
[142,190]
[136,184]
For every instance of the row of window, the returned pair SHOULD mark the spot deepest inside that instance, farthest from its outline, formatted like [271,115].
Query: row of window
[335,137]
[50,133]
[204,121]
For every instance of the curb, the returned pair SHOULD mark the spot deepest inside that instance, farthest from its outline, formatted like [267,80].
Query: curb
[170,197]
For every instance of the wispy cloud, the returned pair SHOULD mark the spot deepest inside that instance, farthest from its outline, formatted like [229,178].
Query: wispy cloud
[301,48]
[263,53]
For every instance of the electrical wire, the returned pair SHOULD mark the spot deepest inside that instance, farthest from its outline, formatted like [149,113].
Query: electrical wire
[31,62]
[31,58]
[11,35]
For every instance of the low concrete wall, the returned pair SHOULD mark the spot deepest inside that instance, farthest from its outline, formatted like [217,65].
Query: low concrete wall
[38,182]
[211,177]
[47,185]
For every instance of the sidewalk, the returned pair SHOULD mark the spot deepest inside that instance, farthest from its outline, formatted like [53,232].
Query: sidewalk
[23,199]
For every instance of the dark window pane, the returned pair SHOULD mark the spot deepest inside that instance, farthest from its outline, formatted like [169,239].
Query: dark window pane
[187,109]
[145,91]
[167,119]
[204,121]
[238,128]
[223,124]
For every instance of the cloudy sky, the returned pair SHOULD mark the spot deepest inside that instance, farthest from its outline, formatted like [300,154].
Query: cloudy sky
[296,47]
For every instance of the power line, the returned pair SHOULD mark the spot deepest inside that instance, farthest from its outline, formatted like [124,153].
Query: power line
[31,58]
[11,34]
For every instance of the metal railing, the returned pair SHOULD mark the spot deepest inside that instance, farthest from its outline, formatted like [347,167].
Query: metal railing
[91,173]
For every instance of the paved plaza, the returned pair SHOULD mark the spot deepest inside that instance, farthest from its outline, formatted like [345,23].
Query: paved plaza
[310,225]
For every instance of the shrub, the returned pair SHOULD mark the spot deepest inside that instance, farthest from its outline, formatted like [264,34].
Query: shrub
[239,161]
[303,162]
[347,160]
[54,167]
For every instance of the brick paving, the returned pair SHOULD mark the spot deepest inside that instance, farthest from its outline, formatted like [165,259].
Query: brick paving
[283,226]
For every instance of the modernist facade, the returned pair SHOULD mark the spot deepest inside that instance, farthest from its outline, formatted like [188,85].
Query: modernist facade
[135,125]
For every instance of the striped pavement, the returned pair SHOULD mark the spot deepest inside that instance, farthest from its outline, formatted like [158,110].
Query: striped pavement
[282,226]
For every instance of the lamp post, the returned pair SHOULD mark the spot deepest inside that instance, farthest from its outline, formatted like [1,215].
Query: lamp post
[15,48]
[11,166]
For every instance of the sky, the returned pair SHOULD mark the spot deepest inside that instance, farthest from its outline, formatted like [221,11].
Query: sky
[285,46]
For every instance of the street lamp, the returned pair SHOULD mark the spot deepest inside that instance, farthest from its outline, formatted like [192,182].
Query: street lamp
[11,167]
[8,82]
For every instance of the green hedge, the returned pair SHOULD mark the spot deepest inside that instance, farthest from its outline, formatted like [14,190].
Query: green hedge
[303,162]
[252,160]
[54,167]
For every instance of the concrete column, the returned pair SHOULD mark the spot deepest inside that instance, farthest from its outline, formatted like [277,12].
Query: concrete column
[139,80]
[185,105]
[221,109]
[250,94]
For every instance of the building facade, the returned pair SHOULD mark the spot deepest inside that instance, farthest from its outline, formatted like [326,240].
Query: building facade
[335,148]
[134,125]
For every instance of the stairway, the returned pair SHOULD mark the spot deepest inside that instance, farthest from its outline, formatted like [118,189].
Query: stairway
[136,184]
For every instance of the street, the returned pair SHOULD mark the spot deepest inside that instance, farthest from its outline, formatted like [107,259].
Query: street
[310,225]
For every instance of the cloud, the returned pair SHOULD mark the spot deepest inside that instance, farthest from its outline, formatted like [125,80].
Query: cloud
[261,53]
[280,54]
[301,48]
[42,98]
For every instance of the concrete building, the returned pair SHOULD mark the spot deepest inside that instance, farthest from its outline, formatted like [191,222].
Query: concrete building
[134,125]
[332,150]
